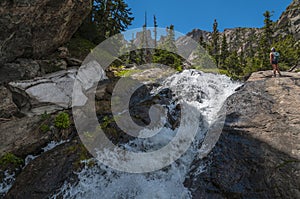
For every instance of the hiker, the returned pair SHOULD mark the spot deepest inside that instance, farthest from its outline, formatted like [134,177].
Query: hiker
[274,58]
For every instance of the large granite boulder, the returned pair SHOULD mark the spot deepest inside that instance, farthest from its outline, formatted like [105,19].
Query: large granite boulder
[23,136]
[45,175]
[24,69]
[32,28]
[257,155]
[53,92]
[20,69]
[50,93]
[7,107]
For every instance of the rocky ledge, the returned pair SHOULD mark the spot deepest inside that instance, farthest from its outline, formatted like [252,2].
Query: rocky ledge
[34,28]
[258,153]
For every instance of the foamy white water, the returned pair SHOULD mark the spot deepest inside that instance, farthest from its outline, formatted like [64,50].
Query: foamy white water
[9,179]
[7,182]
[206,93]
[51,145]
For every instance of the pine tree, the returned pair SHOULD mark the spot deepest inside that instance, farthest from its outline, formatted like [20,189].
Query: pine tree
[110,17]
[170,41]
[265,41]
[145,43]
[145,36]
[242,59]
[268,31]
[202,42]
[224,51]
[214,44]
[155,31]
[289,49]
[232,63]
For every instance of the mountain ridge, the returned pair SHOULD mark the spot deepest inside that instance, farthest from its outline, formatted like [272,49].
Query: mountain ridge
[241,38]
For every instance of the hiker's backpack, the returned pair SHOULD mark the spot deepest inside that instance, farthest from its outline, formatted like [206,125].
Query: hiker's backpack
[276,56]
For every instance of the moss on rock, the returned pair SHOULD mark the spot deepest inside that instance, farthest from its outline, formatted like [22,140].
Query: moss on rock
[10,161]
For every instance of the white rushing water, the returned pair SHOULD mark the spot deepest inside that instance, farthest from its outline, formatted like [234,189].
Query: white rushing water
[205,92]
[51,145]
[6,183]
[9,178]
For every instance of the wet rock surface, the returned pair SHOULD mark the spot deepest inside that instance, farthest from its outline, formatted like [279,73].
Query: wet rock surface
[28,135]
[258,153]
[46,174]
[22,136]
[24,139]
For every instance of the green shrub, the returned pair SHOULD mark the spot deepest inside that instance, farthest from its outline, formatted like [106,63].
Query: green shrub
[168,58]
[80,47]
[106,122]
[127,72]
[45,116]
[10,160]
[44,128]
[62,120]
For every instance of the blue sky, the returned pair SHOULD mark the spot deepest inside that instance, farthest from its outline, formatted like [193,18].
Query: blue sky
[189,14]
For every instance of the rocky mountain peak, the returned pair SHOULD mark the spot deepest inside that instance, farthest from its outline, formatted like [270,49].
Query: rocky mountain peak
[243,38]
[289,22]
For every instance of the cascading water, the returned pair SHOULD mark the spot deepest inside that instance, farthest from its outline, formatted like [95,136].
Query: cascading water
[6,183]
[205,92]
[9,177]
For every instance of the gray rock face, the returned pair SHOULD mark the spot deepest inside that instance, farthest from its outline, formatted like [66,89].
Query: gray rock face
[139,38]
[47,173]
[20,69]
[242,38]
[197,33]
[289,21]
[54,91]
[33,28]
[272,111]
[239,39]
[7,106]
[258,153]
[73,62]
[50,93]
[22,136]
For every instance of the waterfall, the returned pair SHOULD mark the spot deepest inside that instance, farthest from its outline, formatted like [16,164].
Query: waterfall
[206,92]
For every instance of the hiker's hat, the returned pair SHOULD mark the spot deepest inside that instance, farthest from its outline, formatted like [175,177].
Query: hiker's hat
[272,49]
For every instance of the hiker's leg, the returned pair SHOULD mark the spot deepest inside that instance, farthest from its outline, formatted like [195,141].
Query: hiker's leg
[277,68]
[274,69]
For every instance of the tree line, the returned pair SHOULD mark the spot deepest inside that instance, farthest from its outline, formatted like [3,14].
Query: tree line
[241,62]
[109,17]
